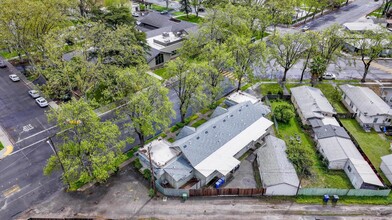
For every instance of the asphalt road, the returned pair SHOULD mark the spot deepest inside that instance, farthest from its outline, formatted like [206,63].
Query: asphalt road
[21,178]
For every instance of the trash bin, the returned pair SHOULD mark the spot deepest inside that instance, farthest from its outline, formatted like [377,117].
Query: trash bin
[335,198]
[184,197]
[325,198]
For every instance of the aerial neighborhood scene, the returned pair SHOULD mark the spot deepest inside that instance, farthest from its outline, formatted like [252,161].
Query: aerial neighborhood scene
[195,109]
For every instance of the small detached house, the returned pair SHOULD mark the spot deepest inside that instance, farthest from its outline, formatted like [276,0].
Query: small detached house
[362,175]
[370,109]
[386,166]
[335,145]
[165,36]
[277,173]
[311,104]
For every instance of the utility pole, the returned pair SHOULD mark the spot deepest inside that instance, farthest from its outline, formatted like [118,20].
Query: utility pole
[50,142]
[152,170]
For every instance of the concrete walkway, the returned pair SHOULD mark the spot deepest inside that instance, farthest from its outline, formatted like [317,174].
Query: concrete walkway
[8,146]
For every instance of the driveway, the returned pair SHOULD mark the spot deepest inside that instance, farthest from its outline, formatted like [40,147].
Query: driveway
[243,177]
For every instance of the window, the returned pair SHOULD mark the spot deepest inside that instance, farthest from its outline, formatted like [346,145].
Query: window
[159,59]
[174,52]
[375,120]
[349,168]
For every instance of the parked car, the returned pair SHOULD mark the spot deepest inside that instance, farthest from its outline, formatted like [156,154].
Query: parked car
[34,93]
[41,102]
[328,76]
[2,64]
[14,77]
[305,28]
[165,12]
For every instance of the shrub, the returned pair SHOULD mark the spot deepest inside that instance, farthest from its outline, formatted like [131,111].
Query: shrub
[284,112]
[151,193]
[147,174]
[137,163]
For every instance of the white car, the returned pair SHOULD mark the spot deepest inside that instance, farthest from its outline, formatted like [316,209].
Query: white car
[34,93]
[328,76]
[14,77]
[41,102]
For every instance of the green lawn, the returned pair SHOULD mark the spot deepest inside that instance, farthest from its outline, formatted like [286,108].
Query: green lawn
[370,142]
[7,55]
[162,72]
[349,200]
[321,176]
[178,13]
[292,85]
[160,8]
[191,18]
[199,122]
[329,91]
[270,88]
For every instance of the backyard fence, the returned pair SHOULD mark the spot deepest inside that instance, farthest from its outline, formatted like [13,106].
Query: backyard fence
[345,115]
[227,192]
[342,192]
[169,191]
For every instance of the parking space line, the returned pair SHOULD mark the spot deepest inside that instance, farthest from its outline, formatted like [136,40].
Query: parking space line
[45,130]
[10,191]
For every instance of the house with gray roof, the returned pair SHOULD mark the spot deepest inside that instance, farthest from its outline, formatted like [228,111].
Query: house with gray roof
[277,173]
[311,103]
[164,36]
[362,175]
[370,110]
[386,166]
[215,147]
[210,151]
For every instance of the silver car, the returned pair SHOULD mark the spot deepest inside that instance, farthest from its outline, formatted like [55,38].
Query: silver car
[329,76]
[14,77]
[41,102]
[34,93]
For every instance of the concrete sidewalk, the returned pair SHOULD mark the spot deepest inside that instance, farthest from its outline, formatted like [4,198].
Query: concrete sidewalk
[8,146]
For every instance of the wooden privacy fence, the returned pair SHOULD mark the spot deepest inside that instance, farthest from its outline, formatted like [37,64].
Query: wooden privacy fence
[227,192]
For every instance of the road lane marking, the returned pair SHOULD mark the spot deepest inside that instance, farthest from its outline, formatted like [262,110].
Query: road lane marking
[21,140]
[10,191]
[28,127]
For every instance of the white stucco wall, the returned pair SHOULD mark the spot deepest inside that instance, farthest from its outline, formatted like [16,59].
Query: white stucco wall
[387,172]
[281,190]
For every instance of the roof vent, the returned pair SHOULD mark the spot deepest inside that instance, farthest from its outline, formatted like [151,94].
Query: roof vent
[185,146]
[206,132]
[224,120]
[165,34]
[214,126]
[198,138]
[231,115]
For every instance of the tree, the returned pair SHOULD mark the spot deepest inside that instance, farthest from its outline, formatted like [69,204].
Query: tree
[330,43]
[246,54]
[284,112]
[188,85]
[149,111]
[311,49]
[26,24]
[185,7]
[369,47]
[114,16]
[196,5]
[217,58]
[317,67]
[287,50]
[90,149]
[101,55]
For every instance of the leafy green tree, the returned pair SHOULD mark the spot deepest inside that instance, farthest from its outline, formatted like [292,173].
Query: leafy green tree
[149,110]
[284,112]
[25,24]
[90,149]
[114,16]
[311,49]
[287,50]
[369,47]
[196,5]
[246,54]
[330,43]
[97,61]
[185,7]
[317,67]
[188,85]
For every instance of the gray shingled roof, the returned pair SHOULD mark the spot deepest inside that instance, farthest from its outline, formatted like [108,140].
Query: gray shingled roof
[337,148]
[327,131]
[366,100]
[311,102]
[158,21]
[178,169]
[213,134]
[315,122]
[274,166]
[218,111]
[186,131]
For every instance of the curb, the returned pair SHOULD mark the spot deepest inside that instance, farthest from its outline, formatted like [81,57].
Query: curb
[6,151]
[8,145]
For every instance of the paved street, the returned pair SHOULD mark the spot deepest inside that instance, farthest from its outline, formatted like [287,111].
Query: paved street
[125,196]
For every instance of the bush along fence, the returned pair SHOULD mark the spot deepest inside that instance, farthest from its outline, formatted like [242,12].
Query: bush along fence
[342,192]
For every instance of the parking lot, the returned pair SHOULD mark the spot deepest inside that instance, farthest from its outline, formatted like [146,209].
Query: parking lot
[20,116]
